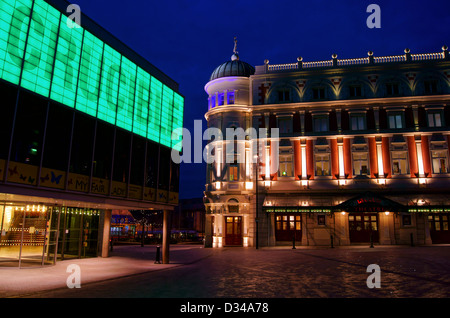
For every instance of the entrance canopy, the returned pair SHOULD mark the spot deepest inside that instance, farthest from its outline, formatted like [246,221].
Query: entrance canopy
[369,202]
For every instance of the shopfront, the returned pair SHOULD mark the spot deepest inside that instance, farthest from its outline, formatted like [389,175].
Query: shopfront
[37,234]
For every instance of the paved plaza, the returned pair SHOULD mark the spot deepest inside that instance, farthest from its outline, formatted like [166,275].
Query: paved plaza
[279,272]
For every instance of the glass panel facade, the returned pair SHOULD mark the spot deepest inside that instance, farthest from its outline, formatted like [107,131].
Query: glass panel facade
[75,68]
[36,235]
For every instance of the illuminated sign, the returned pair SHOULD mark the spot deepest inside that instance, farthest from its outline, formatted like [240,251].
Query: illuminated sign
[39,52]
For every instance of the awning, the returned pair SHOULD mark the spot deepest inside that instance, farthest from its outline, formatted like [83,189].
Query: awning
[370,202]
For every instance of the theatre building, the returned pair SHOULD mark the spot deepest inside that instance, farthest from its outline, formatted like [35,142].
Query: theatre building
[361,155]
[86,129]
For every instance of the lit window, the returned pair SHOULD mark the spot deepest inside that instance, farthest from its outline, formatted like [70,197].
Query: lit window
[399,162]
[360,163]
[395,121]
[221,99]
[358,122]
[320,123]
[434,119]
[213,101]
[230,97]
[439,160]
[233,173]
[286,167]
[322,164]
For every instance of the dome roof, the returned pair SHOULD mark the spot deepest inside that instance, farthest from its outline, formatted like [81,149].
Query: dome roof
[235,67]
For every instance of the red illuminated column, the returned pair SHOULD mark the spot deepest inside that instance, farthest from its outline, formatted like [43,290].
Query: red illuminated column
[373,157]
[310,159]
[426,156]
[412,157]
[297,160]
[334,158]
[274,159]
[386,156]
[348,158]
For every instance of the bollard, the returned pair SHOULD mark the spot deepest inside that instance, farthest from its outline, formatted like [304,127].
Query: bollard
[412,239]
[331,238]
[293,242]
[371,240]
[158,253]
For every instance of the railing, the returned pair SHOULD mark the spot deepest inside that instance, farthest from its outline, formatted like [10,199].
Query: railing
[407,57]
[361,60]
[317,64]
[427,56]
[283,67]
[389,59]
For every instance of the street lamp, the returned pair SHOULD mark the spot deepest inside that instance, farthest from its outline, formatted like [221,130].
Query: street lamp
[256,203]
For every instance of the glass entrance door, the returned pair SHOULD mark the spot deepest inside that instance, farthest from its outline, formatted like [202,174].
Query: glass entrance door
[24,231]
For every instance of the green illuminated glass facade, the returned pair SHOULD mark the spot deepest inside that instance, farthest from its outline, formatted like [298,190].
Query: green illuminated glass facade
[71,66]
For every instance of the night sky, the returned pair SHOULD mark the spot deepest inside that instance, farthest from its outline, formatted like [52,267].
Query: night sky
[188,39]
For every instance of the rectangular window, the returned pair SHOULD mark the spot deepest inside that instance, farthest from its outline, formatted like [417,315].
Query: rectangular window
[230,96]
[286,167]
[355,91]
[360,163]
[399,162]
[439,161]
[221,99]
[434,119]
[321,219]
[392,89]
[233,173]
[321,123]
[395,121]
[318,93]
[358,122]
[322,164]
[284,95]
[430,86]
[285,125]
[213,101]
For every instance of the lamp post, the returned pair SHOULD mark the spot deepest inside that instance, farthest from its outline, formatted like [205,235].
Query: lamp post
[256,203]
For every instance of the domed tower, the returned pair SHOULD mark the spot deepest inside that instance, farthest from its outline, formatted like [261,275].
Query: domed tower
[229,176]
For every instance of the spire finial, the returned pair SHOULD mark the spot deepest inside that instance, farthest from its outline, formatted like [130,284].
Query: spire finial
[235,55]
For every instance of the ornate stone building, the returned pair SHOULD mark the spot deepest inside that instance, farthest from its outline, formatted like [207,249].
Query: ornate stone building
[361,155]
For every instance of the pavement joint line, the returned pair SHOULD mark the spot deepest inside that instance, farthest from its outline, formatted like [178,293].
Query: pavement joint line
[175,265]
[384,270]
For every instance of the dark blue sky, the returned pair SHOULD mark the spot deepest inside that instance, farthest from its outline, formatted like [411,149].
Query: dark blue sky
[187,39]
